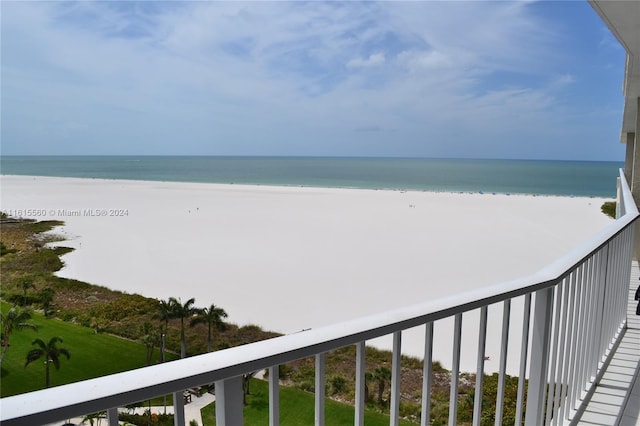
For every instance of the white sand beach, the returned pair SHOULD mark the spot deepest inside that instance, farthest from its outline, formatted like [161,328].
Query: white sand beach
[289,258]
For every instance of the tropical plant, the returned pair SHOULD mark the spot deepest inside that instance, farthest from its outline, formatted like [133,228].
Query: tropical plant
[51,353]
[183,311]
[165,313]
[26,284]
[368,377]
[46,298]
[15,319]
[212,316]
[338,385]
[382,375]
[97,417]
[149,339]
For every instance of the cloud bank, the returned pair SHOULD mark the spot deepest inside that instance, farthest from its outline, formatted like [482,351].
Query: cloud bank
[442,79]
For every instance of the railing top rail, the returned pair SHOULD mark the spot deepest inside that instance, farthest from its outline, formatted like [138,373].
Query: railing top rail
[136,385]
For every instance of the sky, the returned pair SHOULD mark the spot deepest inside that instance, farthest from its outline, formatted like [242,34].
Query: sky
[454,79]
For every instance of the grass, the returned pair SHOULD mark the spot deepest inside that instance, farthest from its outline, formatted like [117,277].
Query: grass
[296,409]
[92,355]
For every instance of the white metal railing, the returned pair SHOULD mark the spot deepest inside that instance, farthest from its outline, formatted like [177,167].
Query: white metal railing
[574,311]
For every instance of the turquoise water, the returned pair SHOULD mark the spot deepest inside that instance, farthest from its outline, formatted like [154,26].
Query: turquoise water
[577,178]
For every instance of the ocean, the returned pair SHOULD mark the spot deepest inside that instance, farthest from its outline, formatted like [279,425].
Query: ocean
[533,177]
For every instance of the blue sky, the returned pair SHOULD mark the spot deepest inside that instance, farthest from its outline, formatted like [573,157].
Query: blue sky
[500,79]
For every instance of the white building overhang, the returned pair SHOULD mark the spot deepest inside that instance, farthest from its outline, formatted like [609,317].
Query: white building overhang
[623,19]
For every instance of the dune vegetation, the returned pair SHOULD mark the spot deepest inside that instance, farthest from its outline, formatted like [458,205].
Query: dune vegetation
[106,331]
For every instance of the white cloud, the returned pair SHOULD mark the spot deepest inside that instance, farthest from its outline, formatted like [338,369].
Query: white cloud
[229,73]
[373,60]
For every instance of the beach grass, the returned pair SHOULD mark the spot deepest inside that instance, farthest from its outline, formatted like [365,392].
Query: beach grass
[296,409]
[92,355]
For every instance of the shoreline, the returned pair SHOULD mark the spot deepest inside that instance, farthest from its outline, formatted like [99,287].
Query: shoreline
[278,256]
[357,188]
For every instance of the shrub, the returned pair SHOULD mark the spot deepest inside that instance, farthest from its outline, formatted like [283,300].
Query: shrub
[4,250]
[609,208]
[338,385]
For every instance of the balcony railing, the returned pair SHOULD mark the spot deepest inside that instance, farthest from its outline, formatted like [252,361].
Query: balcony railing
[574,312]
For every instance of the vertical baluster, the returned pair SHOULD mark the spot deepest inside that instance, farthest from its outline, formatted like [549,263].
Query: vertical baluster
[539,357]
[598,297]
[554,354]
[586,327]
[178,408]
[360,383]
[616,316]
[621,282]
[612,316]
[565,402]
[623,277]
[425,415]
[274,395]
[560,384]
[482,343]
[396,371]
[578,308]
[613,293]
[320,389]
[603,303]
[229,403]
[455,371]
[584,312]
[607,296]
[504,345]
[524,346]
[112,417]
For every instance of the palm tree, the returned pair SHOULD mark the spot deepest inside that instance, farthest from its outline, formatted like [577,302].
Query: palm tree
[183,311]
[149,339]
[95,416]
[50,351]
[165,312]
[212,316]
[46,298]
[14,319]
[26,284]
[382,375]
[368,377]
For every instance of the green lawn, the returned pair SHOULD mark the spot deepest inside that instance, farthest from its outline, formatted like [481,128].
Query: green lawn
[296,409]
[92,355]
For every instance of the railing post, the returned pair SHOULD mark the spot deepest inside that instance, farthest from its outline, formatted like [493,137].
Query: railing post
[320,388]
[396,371]
[425,416]
[482,343]
[274,395]
[455,370]
[536,392]
[504,345]
[112,417]
[360,383]
[524,347]
[229,402]
[178,408]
